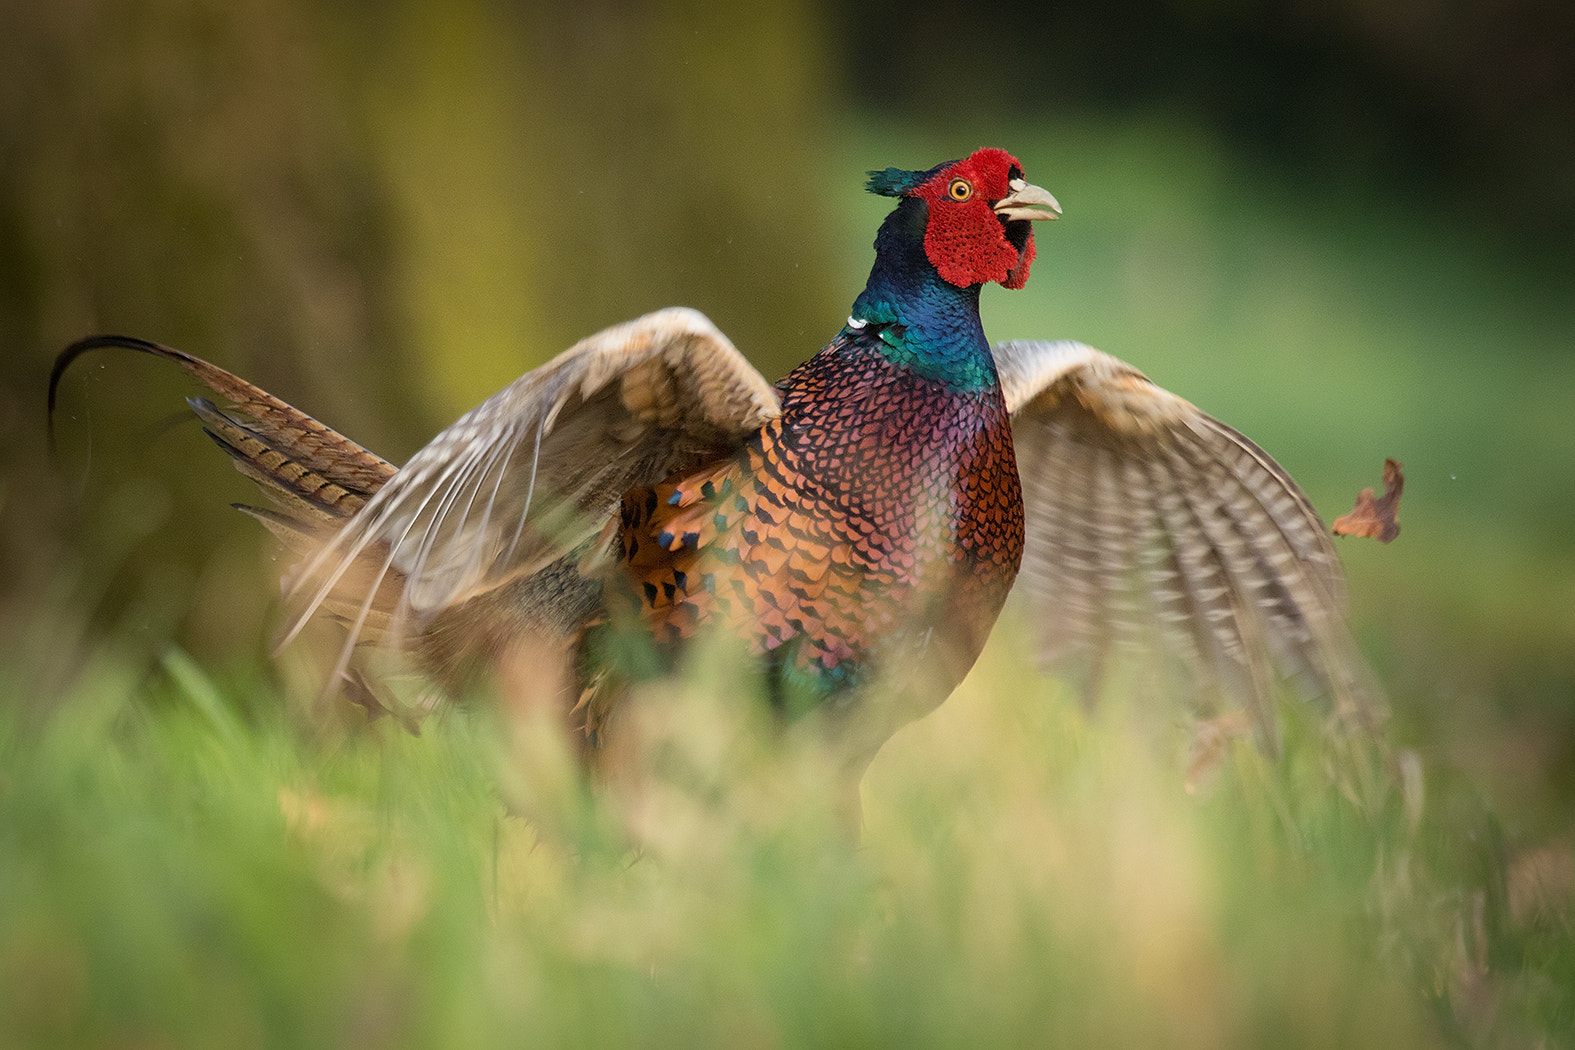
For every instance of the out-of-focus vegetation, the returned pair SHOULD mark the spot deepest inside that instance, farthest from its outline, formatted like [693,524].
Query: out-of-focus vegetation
[177,873]
[1339,231]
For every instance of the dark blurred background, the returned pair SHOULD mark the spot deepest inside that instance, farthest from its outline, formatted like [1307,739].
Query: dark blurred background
[1344,227]
[1468,104]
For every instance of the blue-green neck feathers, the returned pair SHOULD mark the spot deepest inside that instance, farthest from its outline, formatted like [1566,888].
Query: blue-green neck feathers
[924,322]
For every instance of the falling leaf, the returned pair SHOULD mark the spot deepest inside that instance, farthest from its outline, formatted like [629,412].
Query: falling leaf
[1375,516]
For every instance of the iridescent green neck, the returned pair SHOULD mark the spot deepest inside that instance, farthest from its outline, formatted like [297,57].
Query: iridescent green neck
[925,323]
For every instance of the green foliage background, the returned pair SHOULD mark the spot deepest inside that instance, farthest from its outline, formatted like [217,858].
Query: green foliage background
[1344,231]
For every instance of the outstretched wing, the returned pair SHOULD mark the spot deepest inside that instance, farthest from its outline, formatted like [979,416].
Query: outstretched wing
[533,473]
[1150,522]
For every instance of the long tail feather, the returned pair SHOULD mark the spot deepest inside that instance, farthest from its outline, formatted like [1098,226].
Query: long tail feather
[316,477]
[286,451]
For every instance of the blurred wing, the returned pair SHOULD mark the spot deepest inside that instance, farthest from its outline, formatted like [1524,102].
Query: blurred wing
[1149,522]
[533,473]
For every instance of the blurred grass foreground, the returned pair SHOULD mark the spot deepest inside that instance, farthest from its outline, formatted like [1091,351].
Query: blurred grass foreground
[1342,231]
[191,869]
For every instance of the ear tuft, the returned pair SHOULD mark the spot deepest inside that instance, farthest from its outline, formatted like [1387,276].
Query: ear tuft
[894,182]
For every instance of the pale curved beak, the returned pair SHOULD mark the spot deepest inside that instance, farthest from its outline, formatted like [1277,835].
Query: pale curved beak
[1027,201]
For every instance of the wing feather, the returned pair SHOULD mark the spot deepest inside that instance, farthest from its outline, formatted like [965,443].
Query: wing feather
[531,475]
[1151,524]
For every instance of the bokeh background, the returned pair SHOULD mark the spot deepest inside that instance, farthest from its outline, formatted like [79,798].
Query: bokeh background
[1343,227]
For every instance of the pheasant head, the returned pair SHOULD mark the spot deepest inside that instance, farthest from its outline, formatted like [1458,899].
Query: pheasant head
[977,216]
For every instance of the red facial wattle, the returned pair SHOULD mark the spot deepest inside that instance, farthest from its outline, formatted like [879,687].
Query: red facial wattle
[1018,275]
[965,239]
[967,244]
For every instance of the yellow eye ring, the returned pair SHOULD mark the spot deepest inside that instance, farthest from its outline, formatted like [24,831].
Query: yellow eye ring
[959,190]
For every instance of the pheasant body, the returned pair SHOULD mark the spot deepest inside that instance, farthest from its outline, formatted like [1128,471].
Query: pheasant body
[879,516]
[876,525]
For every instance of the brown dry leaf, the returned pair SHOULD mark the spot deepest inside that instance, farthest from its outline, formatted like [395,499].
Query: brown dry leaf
[1375,517]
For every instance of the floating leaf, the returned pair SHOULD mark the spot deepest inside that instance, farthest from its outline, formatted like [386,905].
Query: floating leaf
[1375,516]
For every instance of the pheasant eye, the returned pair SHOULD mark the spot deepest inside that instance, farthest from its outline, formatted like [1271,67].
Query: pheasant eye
[959,190]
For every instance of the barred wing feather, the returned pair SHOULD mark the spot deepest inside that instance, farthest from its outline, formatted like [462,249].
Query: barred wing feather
[532,474]
[1151,523]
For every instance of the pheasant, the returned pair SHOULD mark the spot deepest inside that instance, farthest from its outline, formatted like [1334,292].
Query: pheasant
[857,527]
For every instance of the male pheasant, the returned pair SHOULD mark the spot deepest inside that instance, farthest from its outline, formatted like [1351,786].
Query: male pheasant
[857,527]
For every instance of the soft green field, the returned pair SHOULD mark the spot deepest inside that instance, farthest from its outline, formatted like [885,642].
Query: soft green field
[184,861]
[181,864]
[177,872]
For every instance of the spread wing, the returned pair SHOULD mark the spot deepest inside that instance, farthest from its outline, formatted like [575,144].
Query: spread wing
[532,474]
[1153,525]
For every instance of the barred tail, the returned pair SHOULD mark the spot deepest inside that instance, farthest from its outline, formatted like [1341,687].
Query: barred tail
[317,477]
[312,471]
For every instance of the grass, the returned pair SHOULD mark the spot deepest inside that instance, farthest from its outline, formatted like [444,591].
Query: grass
[184,864]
